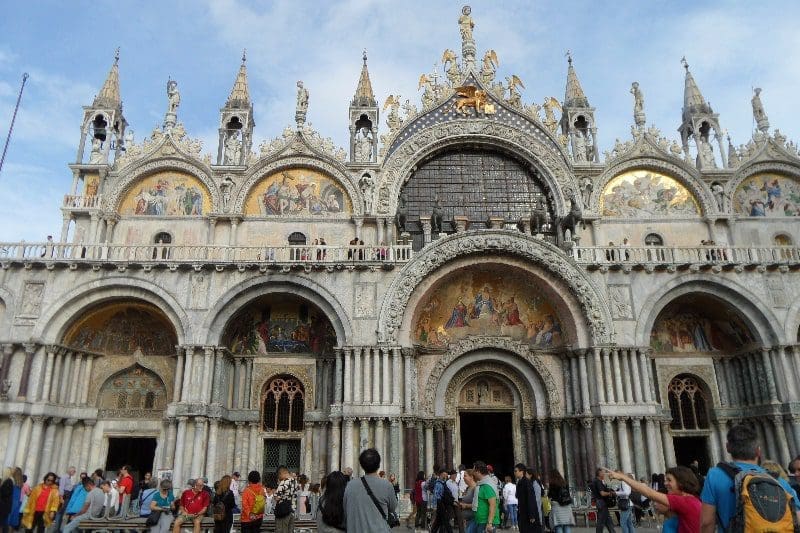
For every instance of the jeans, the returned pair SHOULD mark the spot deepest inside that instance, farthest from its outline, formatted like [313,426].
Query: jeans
[626,521]
[511,511]
[285,524]
[563,529]
[164,523]
[74,523]
[472,527]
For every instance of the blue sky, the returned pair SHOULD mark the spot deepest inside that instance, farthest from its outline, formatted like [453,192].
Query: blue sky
[68,47]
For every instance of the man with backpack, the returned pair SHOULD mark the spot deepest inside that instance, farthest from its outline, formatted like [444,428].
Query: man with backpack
[731,487]
[254,502]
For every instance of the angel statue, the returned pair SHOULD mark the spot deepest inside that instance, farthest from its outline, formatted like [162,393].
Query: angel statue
[514,98]
[428,95]
[393,118]
[450,65]
[466,24]
[549,118]
[173,95]
[489,67]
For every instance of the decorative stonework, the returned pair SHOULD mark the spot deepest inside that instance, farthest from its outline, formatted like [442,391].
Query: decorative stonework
[303,140]
[364,300]
[545,255]
[455,389]
[264,372]
[667,372]
[551,162]
[471,344]
[31,303]
[159,143]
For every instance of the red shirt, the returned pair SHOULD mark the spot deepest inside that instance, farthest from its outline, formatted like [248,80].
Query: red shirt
[41,501]
[194,502]
[126,483]
[688,509]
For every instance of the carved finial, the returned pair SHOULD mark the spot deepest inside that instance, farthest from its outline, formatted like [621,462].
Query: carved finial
[569,56]
[244,55]
[116,56]
[685,63]
[365,57]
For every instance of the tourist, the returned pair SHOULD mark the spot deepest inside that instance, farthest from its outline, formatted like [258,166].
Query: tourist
[112,500]
[418,503]
[15,515]
[330,517]
[510,499]
[193,505]
[145,483]
[254,502]
[163,502]
[454,510]
[487,517]
[718,496]
[92,507]
[125,487]
[681,498]
[78,498]
[146,494]
[368,511]
[561,517]
[303,492]
[395,484]
[6,496]
[467,514]
[528,519]
[42,505]
[313,498]
[538,492]
[270,503]
[66,484]
[236,489]
[223,504]
[600,492]
[285,492]
[347,471]
[624,505]
[441,516]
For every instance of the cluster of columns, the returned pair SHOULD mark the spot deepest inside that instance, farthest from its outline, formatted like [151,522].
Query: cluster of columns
[359,433]
[368,375]
[202,376]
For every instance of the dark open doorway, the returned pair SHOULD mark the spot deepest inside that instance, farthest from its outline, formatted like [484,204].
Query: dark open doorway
[687,449]
[487,437]
[138,453]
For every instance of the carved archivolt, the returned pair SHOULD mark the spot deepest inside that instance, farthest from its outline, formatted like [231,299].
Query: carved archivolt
[676,168]
[518,348]
[130,176]
[543,254]
[495,373]
[554,169]
[312,161]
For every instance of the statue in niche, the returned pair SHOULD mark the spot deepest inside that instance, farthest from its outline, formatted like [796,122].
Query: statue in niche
[719,194]
[705,154]
[226,186]
[363,148]
[402,211]
[483,393]
[437,217]
[173,96]
[578,147]
[638,105]
[366,184]
[96,155]
[466,24]
[760,116]
[233,148]
[587,186]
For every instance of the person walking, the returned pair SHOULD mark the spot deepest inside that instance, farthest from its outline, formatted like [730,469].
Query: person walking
[163,501]
[510,499]
[625,507]
[368,499]
[222,505]
[42,505]
[528,518]
[600,492]
[561,517]
[467,514]
[285,498]
[418,501]
[330,516]
[254,502]
[487,514]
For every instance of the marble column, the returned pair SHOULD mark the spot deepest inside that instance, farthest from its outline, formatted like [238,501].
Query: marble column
[337,378]
[644,367]
[357,374]
[396,460]
[530,445]
[199,451]
[780,436]
[386,380]
[397,370]
[409,451]
[377,375]
[608,443]
[347,443]
[788,376]
[438,444]
[178,383]
[795,424]
[366,379]
[335,443]
[769,375]
[625,462]
[668,445]
[47,460]
[308,446]
[722,436]
[615,365]
[253,459]
[428,446]
[32,372]
[408,382]
[380,441]
[88,373]
[186,394]
[652,445]
[624,356]
[180,446]
[639,459]
[544,445]
[448,444]
[598,376]
[66,443]
[558,447]
[169,445]
[48,373]
[590,459]
[211,457]
[208,372]
[34,447]
[13,439]
[240,446]
[348,375]
[86,443]
[633,357]
[573,451]
[363,435]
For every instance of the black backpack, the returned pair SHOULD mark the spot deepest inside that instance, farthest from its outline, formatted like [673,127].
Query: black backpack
[447,497]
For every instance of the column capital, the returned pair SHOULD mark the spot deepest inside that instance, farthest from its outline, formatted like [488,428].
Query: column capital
[200,420]
[349,420]
[540,423]
[239,423]
[636,420]
[8,348]
[182,418]
[38,419]
[30,347]
[253,424]
[428,423]
[587,422]
[209,350]
[410,423]
[556,423]
[527,423]
[16,417]
[68,421]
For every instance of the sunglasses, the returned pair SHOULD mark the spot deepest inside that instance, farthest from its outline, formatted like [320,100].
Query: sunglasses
[50,479]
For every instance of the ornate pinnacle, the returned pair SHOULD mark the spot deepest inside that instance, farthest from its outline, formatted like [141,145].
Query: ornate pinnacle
[116,56]
[685,63]
[244,55]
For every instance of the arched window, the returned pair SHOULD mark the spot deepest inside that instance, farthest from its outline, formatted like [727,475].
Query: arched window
[687,402]
[782,239]
[653,239]
[161,251]
[297,239]
[283,405]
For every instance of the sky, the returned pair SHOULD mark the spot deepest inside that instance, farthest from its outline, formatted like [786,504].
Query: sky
[68,48]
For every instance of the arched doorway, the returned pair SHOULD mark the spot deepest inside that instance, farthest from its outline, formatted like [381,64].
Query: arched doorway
[689,404]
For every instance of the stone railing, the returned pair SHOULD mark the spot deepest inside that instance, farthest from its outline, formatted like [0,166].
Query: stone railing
[691,255]
[72,201]
[168,253]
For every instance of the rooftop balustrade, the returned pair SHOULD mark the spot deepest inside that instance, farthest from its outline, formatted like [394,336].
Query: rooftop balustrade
[620,256]
[72,201]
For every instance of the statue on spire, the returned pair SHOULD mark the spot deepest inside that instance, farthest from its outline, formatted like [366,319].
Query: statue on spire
[174,100]
[638,105]
[466,24]
[302,104]
[759,115]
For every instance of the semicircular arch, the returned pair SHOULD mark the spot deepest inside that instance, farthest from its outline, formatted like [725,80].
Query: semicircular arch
[522,396]
[394,312]
[751,171]
[238,296]
[755,313]
[268,167]
[142,379]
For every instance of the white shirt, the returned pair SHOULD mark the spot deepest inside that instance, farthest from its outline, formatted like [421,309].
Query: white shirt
[510,494]
[624,490]
[453,487]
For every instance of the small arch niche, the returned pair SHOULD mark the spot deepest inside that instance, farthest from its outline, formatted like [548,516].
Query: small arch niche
[297,239]
[283,404]
[363,122]
[133,393]
[234,123]
[653,239]
[99,127]
[688,403]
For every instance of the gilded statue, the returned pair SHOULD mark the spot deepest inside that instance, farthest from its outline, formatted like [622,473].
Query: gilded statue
[393,118]
[450,65]
[470,96]
[466,24]
[549,117]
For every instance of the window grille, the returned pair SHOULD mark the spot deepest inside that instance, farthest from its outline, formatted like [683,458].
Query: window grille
[283,405]
[687,402]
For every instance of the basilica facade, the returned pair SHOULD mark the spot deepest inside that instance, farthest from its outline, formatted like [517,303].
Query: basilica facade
[470,279]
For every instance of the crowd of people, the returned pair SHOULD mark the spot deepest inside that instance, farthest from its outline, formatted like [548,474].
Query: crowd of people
[471,500]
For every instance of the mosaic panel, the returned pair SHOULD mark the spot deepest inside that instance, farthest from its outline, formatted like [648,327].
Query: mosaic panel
[167,194]
[646,194]
[767,195]
[298,192]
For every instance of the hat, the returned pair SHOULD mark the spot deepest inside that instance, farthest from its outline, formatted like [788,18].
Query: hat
[489,468]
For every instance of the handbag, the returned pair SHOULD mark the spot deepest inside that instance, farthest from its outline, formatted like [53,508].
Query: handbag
[283,508]
[391,518]
[152,518]
[564,497]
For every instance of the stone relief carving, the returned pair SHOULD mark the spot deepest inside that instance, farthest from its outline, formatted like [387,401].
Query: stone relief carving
[31,304]
[198,291]
[364,300]
[165,144]
[620,296]
[263,372]
[466,374]
[470,344]
[304,140]
[539,252]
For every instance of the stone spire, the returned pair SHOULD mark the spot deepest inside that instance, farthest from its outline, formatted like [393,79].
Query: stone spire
[240,94]
[109,93]
[574,95]
[693,101]
[364,96]
[700,123]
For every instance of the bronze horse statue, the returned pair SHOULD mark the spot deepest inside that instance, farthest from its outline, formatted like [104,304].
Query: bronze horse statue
[538,216]
[570,222]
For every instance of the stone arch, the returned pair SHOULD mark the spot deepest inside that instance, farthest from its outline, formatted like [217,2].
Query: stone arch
[305,288]
[705,390]
[521,394]
[791,326]
[270,385]
[56,318]
[393,313]
[135,382]
[269,166]
[680,171]
[553,167]
[148,167]
[750,170]
[529,367]
[756,315]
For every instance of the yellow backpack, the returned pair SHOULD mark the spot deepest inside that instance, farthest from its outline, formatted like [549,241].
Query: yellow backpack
[762,504]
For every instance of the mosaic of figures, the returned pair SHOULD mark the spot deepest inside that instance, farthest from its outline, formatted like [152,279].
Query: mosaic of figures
[280,324]
[699,324]
[767,195]
[91,185]
[646,194]
[167,194]
[133,389]
[122,329]
[298,192]
[487,302]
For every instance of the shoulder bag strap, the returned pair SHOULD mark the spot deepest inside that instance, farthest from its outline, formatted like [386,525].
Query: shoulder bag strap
[371,495]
